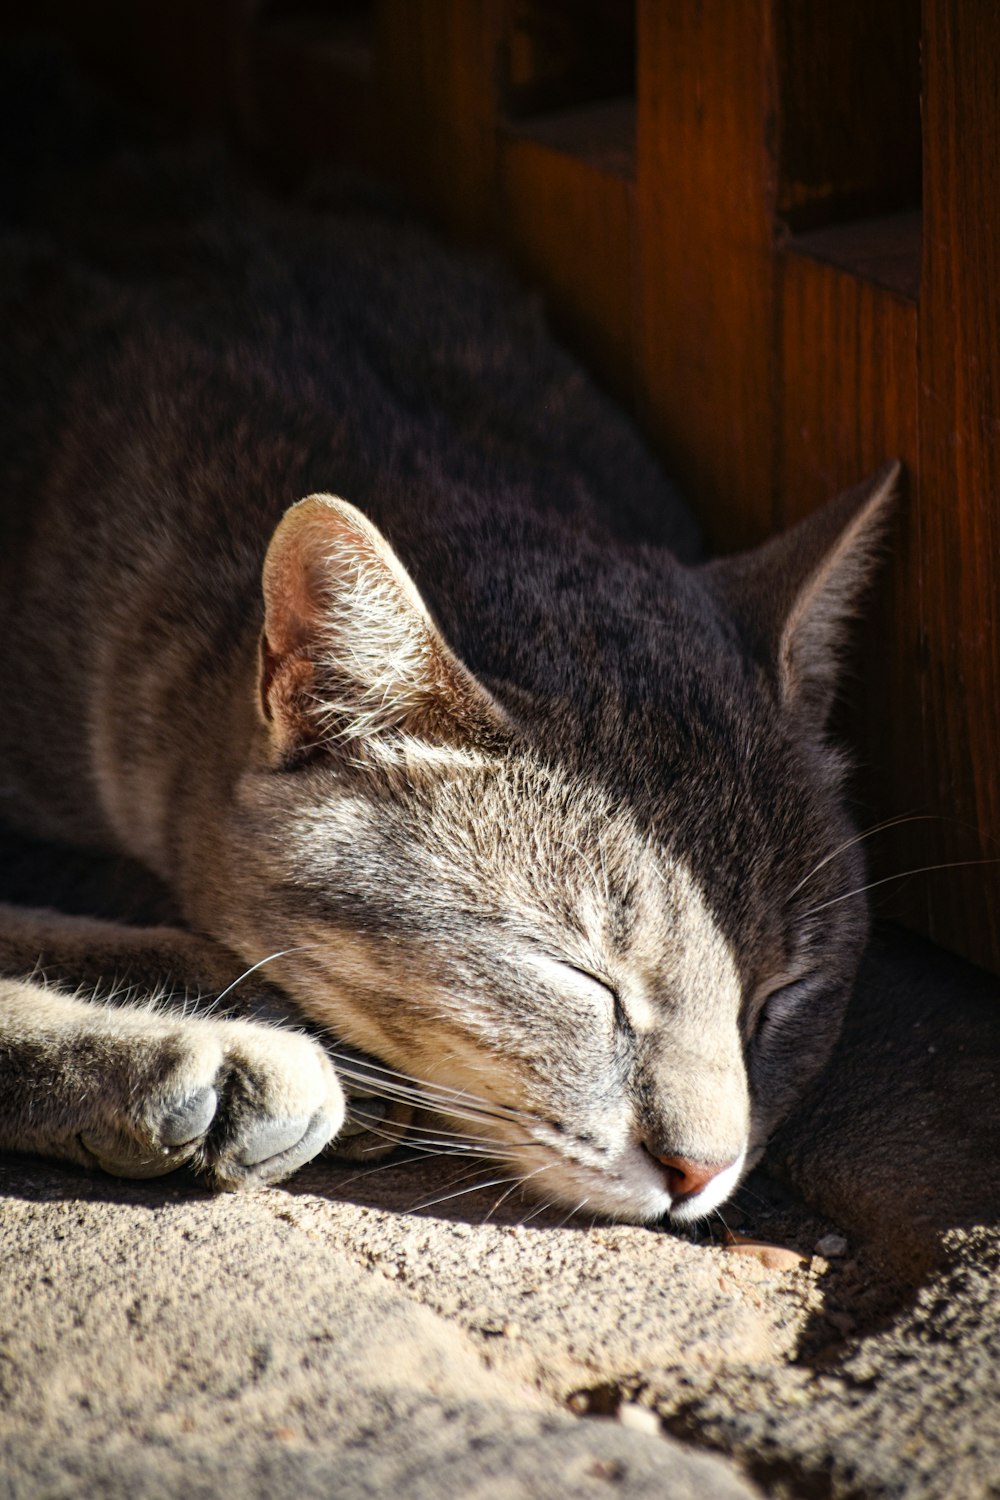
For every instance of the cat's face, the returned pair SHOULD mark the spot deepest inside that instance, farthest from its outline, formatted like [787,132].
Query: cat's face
[617,981]
[493,928]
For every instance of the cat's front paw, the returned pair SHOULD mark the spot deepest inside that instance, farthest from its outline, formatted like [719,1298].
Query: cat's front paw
[239,1103]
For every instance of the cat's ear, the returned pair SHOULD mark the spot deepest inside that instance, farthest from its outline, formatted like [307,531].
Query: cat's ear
[349,651]
[794,597]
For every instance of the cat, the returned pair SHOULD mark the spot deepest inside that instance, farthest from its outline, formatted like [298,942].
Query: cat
[478,766]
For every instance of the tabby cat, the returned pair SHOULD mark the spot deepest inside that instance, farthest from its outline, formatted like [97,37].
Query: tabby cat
[478,766]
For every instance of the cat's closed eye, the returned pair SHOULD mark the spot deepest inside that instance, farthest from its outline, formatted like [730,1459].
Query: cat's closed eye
[568,977]
[779,1002]
[622,1019]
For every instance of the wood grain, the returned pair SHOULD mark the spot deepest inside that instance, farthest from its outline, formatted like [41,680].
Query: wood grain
[560,53]
[849,122]
[704,190]
[960,461]
[884,251]
[848,401]
[437,83]
[567,208]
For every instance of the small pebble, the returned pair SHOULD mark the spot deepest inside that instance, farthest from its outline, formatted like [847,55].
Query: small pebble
[639,1418]
[833,1246]
[611,1469]
[774,1257]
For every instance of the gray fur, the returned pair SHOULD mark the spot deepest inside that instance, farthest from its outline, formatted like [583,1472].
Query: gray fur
[546,841]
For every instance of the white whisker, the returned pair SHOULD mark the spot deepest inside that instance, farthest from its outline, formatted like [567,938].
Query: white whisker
[541,1209]
[386,1166]
[282,953]
[956,864]
[473,1188]
[517,1183]
[858,838]
[573,1212]
[457,1102]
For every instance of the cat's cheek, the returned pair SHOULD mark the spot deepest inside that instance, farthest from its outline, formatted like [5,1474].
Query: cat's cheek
[782,1065]
[756,1147]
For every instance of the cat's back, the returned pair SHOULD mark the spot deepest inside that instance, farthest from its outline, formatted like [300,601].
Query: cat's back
[185,360]
[162,314]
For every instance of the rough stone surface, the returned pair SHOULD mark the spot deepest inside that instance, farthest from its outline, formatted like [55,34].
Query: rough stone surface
[157,1342]
[405,1331]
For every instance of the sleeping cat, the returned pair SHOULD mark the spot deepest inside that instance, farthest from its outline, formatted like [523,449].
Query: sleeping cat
[486,775]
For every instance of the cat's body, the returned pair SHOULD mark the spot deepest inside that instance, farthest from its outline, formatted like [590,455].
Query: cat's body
[583,870]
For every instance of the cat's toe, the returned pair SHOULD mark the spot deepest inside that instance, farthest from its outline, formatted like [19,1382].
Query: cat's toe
[170,1130]
[270,1138]
[122,1154]
[281,1104]
[187,1118]
[272,1149]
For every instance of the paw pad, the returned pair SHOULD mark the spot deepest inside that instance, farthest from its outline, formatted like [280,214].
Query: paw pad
[187,1119]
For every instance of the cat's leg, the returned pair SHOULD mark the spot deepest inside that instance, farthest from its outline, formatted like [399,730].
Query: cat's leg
[110,957]
[140,1089]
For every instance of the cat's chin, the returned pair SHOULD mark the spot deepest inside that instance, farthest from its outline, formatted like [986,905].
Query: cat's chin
[631,1190]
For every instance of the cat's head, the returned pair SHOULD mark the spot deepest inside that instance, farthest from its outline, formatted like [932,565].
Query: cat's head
[614,938]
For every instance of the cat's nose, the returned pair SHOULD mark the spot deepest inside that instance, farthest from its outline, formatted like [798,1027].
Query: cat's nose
[684,1177]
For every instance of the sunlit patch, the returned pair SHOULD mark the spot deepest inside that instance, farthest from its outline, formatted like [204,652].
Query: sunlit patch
[639,1008]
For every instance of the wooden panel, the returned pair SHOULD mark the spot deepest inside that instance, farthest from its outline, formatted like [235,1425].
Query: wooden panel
[437,81]
[600,135]
[848,402]
[566,187]
[960,460]
[559,53]
[883,251]
[305,91]
[849,124]
[703,193]
[849,373]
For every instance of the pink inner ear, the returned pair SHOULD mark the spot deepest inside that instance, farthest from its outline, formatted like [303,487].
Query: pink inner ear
[293,587]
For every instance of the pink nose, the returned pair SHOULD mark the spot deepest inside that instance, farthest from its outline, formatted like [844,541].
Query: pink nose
[686,1178]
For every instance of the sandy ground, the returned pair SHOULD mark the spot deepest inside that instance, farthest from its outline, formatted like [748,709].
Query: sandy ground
[347,1335]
